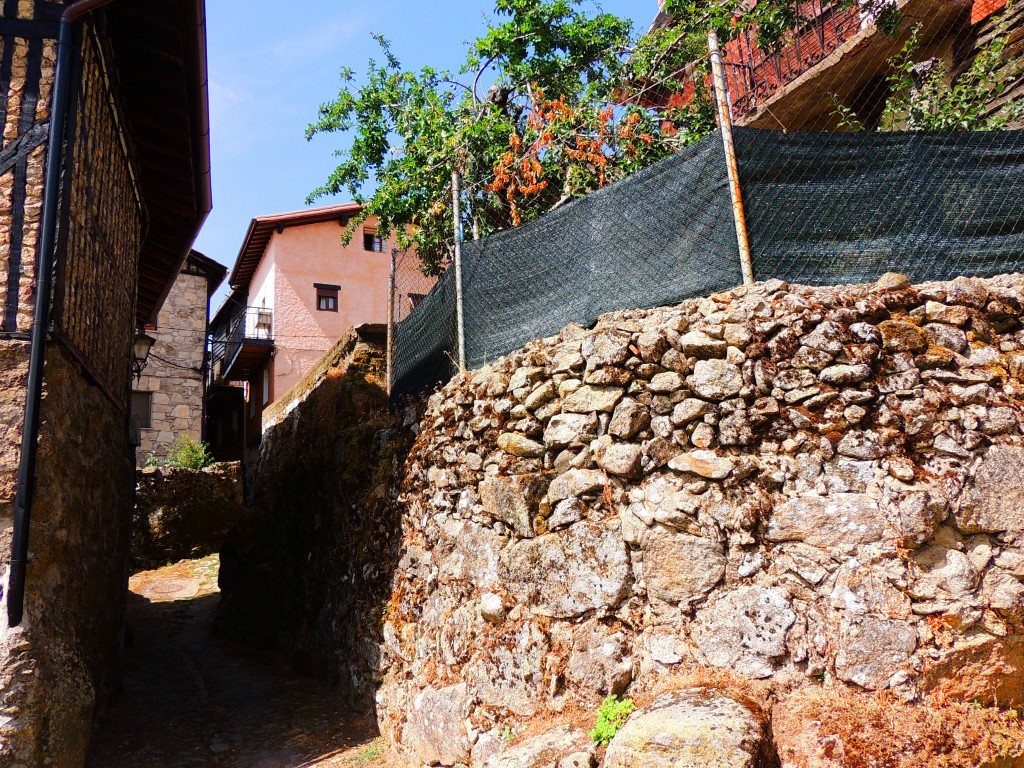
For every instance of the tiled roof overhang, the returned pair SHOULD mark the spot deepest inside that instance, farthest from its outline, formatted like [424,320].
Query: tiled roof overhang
[160,55]
[263,227]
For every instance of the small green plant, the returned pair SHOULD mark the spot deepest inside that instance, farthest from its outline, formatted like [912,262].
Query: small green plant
[187,453]
[610,717]
[369,755]
[508,734]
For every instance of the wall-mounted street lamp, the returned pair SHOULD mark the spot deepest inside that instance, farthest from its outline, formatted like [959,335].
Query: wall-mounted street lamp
[143,343]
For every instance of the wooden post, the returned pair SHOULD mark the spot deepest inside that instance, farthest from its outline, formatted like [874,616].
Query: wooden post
[390,351]
[457,213]
[725,123]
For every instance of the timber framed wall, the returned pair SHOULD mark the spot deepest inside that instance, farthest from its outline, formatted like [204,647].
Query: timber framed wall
[59,666]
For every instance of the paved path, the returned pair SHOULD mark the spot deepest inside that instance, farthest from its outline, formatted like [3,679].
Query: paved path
[190,700]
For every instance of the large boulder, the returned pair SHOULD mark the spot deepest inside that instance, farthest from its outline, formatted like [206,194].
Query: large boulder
[561,748]
[692,728]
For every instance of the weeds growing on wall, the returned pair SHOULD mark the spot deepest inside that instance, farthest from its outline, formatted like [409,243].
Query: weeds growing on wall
[928,96]
[610,718]
[185,453]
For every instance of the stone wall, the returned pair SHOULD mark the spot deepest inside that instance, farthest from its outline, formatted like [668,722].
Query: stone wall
[787,521]
[184,513]
[58,665]
[13,378]
[308,571]
[26,83]
[173,376]
[1007,21]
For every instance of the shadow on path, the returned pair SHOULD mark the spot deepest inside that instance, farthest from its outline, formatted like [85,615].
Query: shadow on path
[190,699]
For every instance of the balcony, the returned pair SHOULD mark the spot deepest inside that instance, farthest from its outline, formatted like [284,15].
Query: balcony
[836,54]
[242,340]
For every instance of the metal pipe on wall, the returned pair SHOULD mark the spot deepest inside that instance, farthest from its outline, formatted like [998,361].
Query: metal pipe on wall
[459,317]
[390,349]
[725,123]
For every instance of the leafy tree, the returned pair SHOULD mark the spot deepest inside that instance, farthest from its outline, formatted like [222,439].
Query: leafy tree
[551,103]
[530,121]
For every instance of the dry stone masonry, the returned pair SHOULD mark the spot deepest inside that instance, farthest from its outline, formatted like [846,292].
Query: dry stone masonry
[713,508]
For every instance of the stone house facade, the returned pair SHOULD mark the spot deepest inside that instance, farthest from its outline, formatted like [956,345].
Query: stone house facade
[168,398]
[123,95]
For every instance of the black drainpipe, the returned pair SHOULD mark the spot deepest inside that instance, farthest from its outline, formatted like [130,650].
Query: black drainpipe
[44,295]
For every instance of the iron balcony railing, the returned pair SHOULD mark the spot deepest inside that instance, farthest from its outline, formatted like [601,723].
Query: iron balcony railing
[757,74]
[243,325]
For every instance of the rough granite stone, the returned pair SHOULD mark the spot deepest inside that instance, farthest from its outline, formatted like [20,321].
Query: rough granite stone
[745,630]
[841,520]
[871,650]
[592,399]
[703,463]
[563,747]
[679,568]
[436,729]
[518,445]
[993,499]
[570,429]
[692,728]
[514,500]
[716,379]
[568,573]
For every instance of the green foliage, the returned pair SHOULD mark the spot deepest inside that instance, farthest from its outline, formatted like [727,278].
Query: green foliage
[610,717]
[532,119]
[939,101]
[186,453]
[508,734]
[927,96]
[554,100]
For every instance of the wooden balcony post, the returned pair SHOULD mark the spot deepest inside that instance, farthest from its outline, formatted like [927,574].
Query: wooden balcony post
[725,123]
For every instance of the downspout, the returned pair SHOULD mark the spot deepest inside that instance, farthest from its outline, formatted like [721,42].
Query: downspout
[44,295]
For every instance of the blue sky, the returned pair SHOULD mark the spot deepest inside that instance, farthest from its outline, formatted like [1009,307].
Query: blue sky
[272,65]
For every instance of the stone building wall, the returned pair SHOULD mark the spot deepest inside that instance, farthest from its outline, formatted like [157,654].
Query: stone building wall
[173,376]
[773,514]
[184,513]
[57,667]
[94,304]
[309,569]
[1008,21]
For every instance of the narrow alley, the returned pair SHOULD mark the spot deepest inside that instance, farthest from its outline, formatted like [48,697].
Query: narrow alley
[191,700]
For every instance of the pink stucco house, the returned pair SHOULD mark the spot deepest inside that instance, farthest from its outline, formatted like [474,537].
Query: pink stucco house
[295,290]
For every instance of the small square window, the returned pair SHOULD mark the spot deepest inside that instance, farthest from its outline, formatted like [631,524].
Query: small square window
[327,297]
[142,409]
[371,242]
